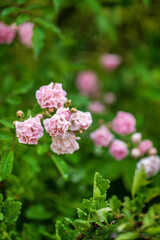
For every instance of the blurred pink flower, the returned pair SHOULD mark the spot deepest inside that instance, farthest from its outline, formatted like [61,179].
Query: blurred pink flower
[152,151]
[87,83]
[136,137]
[109,97]
[57,125]
[110,61]
[96,107]
[80,120]
[7,33]
[145,146]
[64,112]
[124,123]
[25,31]
[66,144]
[51,96]
[102,136]
[118,150]
[151,165]
[29,131]
[135,152]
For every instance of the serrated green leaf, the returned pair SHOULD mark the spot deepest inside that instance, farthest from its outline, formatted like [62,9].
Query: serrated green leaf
[61,165]
[6,165]
[114,203]
[11,210]
[82,226]
[100,187]
[63,232]
[38,41]
[139,180]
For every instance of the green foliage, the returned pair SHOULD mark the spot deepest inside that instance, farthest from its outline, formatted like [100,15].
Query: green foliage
[6,165]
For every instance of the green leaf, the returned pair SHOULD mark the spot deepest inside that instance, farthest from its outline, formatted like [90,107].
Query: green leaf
[151,193]
[7,123]
[63,232]
[38,41]
[100,187]
[57,4]
[128,236]
[22,18]
[9,10]
[5,137]
[11,210]
[23,87]
[48,25]
[146,3]
[114,203]
[153,230]
[38,212]
[82,226]
[149,218]
[42,148]
[61,165]
[139,180]
[6,165]
[14,100]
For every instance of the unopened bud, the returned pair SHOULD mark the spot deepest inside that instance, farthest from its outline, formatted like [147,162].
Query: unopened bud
[40,115]
[135,152]
[80,131]
[152,151]
[20,114]
[68,103]
[73,110]
[14,123]
[101,122]
[136,137]
[51,110]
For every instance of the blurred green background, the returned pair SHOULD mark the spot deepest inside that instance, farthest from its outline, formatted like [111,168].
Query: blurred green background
[70,36]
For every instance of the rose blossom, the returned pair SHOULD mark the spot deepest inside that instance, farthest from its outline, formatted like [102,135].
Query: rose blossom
[29,131]
[87,83]
[57,125]
[96,107]
[102,136]
[110,61]
[135,152]
[152,151]
[7,33]
[136,137]
[80,120]
[66,144]
[118,150]
[151,165]
[65,112]
[124,123]
[25,32]
[109,97]
[145,146]
[51,96]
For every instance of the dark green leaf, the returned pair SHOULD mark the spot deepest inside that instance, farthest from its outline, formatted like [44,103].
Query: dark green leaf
[6,165]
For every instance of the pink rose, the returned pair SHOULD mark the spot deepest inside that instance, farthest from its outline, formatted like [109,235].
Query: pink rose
[87,83]
[25,32]
[29,131]
[151,165]
[102,136]
[135,152]
[65,145]
[124,123]
[152,151]
[64,112]
[109,97]
[96,107]
[7,33]
[57,125]
[51,96]
[145,146]
[118,150]
[136,137]
[80,120]
[110,61]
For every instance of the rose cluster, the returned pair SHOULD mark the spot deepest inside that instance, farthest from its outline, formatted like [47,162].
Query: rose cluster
[124,124]
[61,126]
[24,30]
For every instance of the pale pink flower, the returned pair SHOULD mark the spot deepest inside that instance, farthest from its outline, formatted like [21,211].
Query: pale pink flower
[135,152]
[29,131]
[110,61]
[145,146]
[118,150]
[7,33]
[152,151]
[96,107]
[80,120]
[109,97]
[136,137]
[25,31]
[66,144]
[151,165]
[87,83]
[65,112]
[124,123]
[102,136]
[57,125]
[51,96]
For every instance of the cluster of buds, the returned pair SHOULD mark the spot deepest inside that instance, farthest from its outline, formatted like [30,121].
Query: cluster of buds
[62,126]
[125,124]
[8,33]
